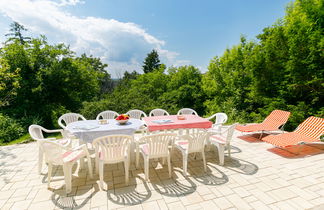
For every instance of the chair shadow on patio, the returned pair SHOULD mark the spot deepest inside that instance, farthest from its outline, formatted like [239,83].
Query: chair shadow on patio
[174,188]
[240,166]
[213,177]
[129,195]
[299,151]
[72,201]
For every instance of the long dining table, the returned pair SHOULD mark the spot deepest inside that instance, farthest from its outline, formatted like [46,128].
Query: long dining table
[88,130]
[176,122]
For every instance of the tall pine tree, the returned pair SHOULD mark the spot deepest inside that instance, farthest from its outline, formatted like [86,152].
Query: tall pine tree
[151,62]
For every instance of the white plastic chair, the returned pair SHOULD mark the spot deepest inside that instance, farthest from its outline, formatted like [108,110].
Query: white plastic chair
[221,118]
[112,149]
[154,146]
[158,112]
[192,143]
[69,118]
[136,114]
[223,142]
[56,154]
[107,115]
[187,111]
[36,133]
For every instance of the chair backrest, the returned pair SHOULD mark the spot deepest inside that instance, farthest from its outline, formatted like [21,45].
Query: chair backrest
[36,132]
[107,115]
[158,144]
[221,118]
[69,118]
[311,127]
[158,112]
[113,147]
[187,111]
[276,118]
[136,114]
[230,132]
[53,151]
[197,139]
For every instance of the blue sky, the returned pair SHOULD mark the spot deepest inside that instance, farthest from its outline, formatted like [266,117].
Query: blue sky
[122,32]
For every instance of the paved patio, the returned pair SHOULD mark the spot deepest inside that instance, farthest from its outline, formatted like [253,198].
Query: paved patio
[257,176]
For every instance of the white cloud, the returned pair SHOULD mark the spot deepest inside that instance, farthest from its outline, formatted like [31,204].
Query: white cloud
[122,45]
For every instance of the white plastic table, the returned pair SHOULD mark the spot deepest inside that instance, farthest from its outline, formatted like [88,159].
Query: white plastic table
[88,130]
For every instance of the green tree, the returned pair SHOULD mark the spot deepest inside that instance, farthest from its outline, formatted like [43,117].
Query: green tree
[9,83]
[151,62]
[17,33]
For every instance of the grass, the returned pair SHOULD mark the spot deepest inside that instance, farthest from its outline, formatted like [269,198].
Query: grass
[26,139]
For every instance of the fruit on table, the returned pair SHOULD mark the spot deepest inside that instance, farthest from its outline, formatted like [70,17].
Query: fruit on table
[122,117]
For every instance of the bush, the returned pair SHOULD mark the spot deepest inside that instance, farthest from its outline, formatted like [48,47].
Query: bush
[10,129]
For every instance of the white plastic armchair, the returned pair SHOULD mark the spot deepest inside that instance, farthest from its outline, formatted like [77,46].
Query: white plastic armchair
[56,154]
[107,115]
[112,149]
[136,114]
[68,118]
[187,111]
[36,133]
[220,119]
[158,112]
[192,143]
[222,142]
[154,146]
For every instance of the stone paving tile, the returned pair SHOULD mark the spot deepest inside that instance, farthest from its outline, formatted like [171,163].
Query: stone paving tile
[254,178]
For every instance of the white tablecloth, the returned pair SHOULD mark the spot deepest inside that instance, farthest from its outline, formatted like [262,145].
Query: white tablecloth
[88,130]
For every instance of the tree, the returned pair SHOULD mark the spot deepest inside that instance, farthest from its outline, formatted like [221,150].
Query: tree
[16,33]
[9,83]
[151,62]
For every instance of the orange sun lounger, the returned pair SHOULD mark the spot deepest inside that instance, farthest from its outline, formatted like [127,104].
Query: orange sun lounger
[275,121]
[309,131]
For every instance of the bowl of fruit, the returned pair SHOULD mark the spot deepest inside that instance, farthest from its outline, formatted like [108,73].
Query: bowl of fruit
[122,119]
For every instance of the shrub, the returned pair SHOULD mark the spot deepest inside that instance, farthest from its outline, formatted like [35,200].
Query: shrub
[10,129]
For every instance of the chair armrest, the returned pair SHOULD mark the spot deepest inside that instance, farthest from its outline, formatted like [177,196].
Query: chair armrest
[211,117]
[50,138]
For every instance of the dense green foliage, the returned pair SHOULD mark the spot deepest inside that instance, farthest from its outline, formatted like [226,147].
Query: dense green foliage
[151,62]
[10,129]
[282,69]
[44,81]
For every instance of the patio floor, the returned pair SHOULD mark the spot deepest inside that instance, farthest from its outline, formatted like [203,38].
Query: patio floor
[258,176]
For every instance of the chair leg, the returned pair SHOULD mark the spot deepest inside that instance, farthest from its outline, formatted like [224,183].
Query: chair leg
[101,171]
[81,163]
[126,165]
[185,163]
[169,165]
[163,161]
[67,169]
[97,164]
[229,150]
[49,174]
[204,160]
[146,168]
[40,160]
[221,154]
[137,156]
[89,166]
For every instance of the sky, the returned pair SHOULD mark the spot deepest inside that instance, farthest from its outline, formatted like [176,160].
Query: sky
[123,32]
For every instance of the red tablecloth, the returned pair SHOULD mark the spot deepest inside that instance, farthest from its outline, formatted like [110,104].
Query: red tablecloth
[191,121]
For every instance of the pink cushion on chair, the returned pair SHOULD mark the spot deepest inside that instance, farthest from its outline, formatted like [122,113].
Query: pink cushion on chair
[145,149]
[218,139]
[70,156]
[183,144]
